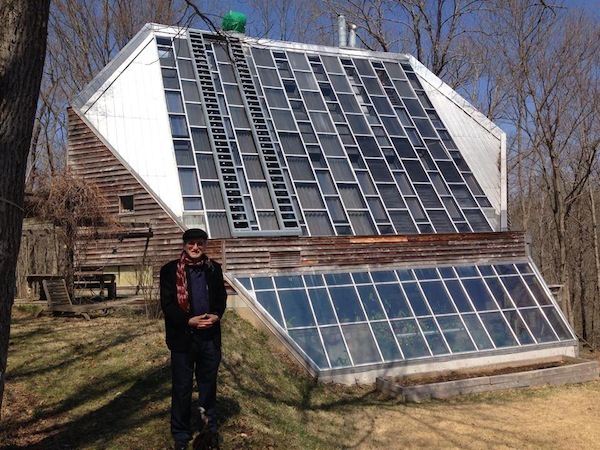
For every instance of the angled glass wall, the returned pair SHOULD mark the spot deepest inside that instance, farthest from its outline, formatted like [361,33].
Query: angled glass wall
[352,319]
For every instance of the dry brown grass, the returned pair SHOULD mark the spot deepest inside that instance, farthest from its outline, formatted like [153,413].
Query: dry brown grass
[104,384]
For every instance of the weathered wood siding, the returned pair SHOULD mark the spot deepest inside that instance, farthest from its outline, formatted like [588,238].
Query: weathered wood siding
[91,159]
[256,255]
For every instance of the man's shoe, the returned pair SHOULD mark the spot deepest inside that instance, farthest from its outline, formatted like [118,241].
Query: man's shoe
[181,445]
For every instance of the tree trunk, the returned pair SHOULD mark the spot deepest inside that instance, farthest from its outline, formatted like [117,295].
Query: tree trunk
[22,51]
[596,294]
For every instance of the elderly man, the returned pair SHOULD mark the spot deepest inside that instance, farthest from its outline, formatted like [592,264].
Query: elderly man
[193,300]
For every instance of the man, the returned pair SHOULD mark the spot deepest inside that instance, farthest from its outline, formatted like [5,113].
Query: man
[193,300]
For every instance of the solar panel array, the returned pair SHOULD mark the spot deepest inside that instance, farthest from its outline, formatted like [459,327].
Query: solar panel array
[275,141]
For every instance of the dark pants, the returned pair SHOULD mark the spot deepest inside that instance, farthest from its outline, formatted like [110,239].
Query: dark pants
[204,356]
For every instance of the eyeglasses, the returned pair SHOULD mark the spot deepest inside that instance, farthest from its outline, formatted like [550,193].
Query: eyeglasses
[194,243]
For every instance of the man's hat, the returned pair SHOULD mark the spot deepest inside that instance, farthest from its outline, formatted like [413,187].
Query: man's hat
[194,233]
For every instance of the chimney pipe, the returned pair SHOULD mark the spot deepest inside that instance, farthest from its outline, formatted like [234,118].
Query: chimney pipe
[352,37]
[342,33]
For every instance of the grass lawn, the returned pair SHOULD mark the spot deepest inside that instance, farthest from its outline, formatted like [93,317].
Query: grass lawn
[104,384]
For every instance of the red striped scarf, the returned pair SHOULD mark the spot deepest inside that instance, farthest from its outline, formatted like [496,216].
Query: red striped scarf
[182,286]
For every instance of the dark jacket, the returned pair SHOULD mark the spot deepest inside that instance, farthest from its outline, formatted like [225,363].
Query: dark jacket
[179,334]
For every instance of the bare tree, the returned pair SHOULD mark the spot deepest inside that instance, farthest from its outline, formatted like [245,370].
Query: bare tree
[550,60]
[22,51]
[437,32]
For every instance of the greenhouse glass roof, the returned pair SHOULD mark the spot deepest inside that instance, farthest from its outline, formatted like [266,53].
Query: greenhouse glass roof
[349,319]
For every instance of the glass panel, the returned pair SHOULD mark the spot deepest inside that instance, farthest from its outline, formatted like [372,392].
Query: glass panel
[433,336]
[276,98]
[410,338]
[166,56]
[338,279]
[402,222]
[336,210]
[314,280]
[310,343]
[283,120]
[390,196]
[293,281]
[393,301]
[458,295]
[456,335]
[212,195]
[557,323]
[195,115]
[361,344]
[518,327]
[331,145]
[341,169]
[170,79]
[351,196]
[416,299]
[268,301]
[298,61]
[358,124]
[189,182]
[306,80]
[178,126]
[296,309]
[538,325]
[340,83]
[438,299]
[362,223]
[539,294]
[499,293]
[518,291]
[206,166]
[192,203]
[174,102]
[292,144]
[190,91]
[261,196]
[335,347]
[387,343]
[300,169]
[183,153]
[346,304]
[377,209]
[482,341]
[498,329]
[314,101]
[262,57]
[322,306]
[386,276]
[370,302]
[254,170]
[479,294]
[318,223]
[200,140]
[327,186]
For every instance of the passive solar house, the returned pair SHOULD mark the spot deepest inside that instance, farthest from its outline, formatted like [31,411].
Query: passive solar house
[356,202]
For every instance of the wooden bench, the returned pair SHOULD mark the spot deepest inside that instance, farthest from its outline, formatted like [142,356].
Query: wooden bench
[59,300]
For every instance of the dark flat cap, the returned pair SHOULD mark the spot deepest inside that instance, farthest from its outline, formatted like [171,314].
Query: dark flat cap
[194,233]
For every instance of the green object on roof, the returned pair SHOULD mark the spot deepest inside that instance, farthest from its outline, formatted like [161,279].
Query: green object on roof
[234,21]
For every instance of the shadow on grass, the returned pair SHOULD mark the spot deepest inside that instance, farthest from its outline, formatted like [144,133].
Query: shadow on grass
[118,423]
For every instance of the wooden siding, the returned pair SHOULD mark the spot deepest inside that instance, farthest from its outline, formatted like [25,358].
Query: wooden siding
[261,255]
[88,157]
